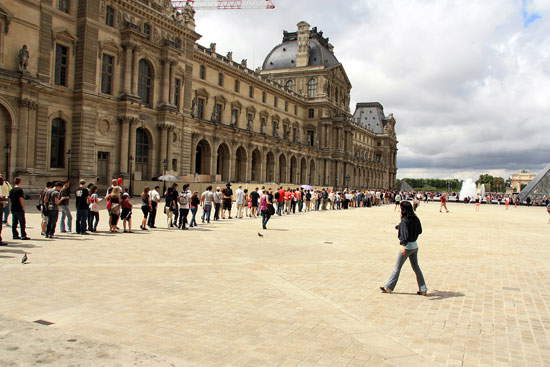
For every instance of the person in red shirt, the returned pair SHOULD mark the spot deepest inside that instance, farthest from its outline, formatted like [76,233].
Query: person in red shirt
[443,201]
[288,200]
[298,196]
[280,196]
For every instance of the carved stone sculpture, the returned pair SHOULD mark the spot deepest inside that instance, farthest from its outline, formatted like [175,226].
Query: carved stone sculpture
[23,59]
[244,62]
[230,55]
[213,47]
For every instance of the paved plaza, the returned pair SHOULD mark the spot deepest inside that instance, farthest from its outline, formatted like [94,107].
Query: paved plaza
[306,294]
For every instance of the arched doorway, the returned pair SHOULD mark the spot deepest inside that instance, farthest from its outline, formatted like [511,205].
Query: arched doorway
[240,165]
[282,169]
[5,128]
[312,179]
[222,167]
[293,170]
[202,158]
[303,172]
[256,166]
[143,150]
[270,167]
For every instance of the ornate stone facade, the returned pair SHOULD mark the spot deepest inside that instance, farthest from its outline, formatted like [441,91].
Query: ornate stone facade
[100,88]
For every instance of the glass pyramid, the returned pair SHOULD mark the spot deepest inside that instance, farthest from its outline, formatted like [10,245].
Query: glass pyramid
[539,188]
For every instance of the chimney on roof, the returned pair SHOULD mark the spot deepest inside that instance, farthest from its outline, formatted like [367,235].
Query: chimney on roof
[302,58]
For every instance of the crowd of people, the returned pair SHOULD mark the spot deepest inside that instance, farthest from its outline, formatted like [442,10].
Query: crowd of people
[181,206]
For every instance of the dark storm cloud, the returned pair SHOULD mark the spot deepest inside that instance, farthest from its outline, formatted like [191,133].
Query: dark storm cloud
[468,82]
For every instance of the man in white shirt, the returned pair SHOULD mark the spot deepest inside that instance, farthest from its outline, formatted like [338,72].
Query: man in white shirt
[207,199]
[155,200]
[184,199]
[5,189]
[241,201]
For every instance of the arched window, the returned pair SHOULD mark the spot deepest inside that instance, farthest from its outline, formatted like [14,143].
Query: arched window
[142,152]
[57,149]
[312,87]
[145,81]
[290,84]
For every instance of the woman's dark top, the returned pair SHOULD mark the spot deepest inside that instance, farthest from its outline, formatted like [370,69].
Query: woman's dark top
[409,230]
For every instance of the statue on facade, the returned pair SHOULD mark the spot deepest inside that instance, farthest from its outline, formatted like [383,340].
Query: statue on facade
[230,55]
[213,47]
[257,70]
[189,13]
[23,59]
[194,108]
[244,63]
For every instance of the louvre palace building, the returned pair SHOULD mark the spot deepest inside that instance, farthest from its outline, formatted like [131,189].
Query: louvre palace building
[96,89]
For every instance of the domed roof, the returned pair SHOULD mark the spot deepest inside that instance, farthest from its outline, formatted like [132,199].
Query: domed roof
[284,55]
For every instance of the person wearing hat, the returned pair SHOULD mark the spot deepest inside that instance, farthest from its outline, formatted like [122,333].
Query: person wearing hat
[82,208]
[227,200]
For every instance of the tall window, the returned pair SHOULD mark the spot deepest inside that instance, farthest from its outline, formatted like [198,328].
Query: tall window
[145,81]
[312,87]
[147,29]
[235,117]
[61,64]
[310,138]
[57,147]
[296,110]
[200,108]
[286,106]
[218,112]
[264,97]
[107,66]
[276,101]
[63,5]
[237,85]
[311,113]
[290,84]
[142,152]
[110,16]
[220,79]
[177,93]
[251,91]
[202,72]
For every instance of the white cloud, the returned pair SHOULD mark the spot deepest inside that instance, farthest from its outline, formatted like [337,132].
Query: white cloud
[468,83]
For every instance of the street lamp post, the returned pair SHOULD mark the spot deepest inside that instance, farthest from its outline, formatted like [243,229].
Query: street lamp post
[164,166]
[69,155]
[130,173]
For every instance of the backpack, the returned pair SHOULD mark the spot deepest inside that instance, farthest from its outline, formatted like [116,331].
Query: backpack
[183,199]
[276,195]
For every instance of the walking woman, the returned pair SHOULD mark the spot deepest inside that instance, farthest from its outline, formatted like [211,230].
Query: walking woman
[408,231]
[266,207]
[145,207]
[126,214]
[195,201]
[93,214]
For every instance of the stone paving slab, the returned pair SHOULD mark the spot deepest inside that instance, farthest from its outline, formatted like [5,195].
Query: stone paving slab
[306,294]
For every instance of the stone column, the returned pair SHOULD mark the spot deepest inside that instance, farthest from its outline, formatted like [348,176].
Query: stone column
[124,144]
[135,72]
[169,143]
[21,152]
[171,82]
[164,89]
[31,139]
[128,69]
[162,147]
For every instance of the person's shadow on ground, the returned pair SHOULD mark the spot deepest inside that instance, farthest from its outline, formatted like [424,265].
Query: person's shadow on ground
[436,295]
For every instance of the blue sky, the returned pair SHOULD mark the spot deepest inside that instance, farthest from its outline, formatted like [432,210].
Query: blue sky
[468,81]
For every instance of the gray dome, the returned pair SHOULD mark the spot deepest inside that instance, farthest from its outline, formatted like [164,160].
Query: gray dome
[283,56]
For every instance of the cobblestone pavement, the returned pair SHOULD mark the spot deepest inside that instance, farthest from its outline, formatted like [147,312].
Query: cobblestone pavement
[306,294]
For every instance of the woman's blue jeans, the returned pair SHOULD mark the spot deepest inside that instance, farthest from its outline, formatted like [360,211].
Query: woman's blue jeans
[412,255]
